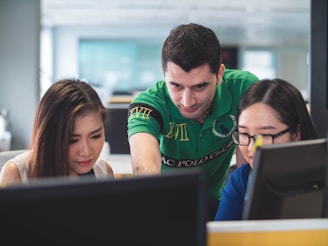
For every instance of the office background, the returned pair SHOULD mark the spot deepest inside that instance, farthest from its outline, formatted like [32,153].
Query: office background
[36,49]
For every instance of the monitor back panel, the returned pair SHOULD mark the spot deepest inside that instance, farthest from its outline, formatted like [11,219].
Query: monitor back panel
[154,210]
[287,181]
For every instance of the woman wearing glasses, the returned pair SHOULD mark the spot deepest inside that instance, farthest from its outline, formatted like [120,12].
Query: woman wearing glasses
[275,111]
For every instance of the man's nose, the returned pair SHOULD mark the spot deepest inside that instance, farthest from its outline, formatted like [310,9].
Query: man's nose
[187,99]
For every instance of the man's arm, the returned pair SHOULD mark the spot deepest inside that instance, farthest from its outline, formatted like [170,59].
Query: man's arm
[145,154]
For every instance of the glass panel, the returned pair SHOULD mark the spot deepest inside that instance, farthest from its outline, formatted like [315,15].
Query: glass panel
[120,67]
[259,62]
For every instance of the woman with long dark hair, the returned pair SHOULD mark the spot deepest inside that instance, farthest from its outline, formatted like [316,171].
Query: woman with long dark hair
[68,136]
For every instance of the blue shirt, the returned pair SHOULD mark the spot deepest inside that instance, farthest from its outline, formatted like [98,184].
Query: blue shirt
[232,200]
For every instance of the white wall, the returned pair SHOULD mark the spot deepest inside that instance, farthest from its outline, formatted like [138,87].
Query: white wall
[19,65]
[289,63]
[292,65]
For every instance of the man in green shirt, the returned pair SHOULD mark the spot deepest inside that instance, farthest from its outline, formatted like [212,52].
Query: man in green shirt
[186,120]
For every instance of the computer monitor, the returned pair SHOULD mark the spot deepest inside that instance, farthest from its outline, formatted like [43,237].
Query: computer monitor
[287,181]
[116,128]
[325,199]
[167,209]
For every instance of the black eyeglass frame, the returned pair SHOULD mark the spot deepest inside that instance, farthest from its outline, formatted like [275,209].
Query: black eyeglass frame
[273,136]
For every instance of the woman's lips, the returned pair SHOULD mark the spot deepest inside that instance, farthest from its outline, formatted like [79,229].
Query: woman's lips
[84,163]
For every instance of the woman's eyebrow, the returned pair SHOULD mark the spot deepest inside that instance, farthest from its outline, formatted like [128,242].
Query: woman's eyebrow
[93,132]
[97,130]
[259,128]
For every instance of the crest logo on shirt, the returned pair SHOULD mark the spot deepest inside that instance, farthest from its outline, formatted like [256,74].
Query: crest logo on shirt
[221,129]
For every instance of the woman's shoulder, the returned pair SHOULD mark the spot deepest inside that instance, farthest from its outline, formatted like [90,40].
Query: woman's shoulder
[102,168]
[238,180]
[22,156]
[16,169]
[241,172]
[109,168]
[10,174]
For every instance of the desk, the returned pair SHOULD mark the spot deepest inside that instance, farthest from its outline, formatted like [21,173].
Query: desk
[120,99]
[268,232]
[121,164]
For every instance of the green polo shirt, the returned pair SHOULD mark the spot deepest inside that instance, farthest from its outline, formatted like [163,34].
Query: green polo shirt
[184,143]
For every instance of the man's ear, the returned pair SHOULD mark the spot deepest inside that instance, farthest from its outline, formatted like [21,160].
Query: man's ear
[220,74]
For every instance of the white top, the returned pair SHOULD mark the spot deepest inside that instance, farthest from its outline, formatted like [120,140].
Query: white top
[22,160]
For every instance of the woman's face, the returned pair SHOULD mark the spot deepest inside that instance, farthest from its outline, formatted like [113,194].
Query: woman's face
[260,118]
[86,142]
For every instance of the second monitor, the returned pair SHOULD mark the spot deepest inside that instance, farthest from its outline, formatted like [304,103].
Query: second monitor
[288,181]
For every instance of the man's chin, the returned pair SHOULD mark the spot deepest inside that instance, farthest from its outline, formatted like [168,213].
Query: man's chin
[190,116]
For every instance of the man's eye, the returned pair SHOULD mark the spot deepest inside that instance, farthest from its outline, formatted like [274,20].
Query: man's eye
[199,87]
[175,85]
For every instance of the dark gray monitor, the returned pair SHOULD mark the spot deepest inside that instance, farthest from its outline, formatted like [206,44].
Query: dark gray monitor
[116,128]
[287,181]
[167,209]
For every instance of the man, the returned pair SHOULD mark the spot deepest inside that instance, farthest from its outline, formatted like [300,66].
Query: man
[186,120]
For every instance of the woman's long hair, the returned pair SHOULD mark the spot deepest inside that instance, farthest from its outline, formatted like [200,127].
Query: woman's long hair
[53,125]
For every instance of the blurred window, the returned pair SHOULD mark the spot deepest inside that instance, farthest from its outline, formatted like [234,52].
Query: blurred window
[120,66]
[259,62]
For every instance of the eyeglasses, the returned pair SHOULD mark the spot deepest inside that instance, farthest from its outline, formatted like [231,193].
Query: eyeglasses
[244,139]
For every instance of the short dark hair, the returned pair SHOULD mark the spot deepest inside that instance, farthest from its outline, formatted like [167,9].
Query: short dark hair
[190,46]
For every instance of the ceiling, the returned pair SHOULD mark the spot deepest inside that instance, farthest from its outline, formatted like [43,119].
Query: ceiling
[243,22]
